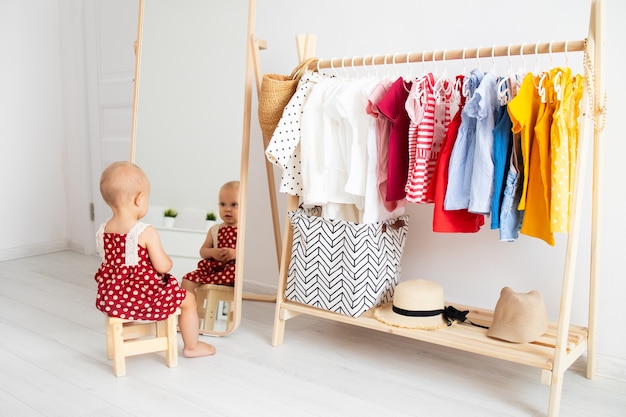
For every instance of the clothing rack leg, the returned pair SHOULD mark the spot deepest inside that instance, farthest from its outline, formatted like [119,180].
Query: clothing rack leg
[256,46]
[560,361]
[596,40]
[305,45]
[279,320]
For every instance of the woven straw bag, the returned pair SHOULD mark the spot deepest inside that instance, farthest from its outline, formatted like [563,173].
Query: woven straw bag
[276,90]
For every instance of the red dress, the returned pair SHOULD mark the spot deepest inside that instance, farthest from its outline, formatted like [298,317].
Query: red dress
[212,271]
[450,221]
[128,285]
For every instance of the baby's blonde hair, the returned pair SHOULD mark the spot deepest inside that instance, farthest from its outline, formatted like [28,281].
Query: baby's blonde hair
[121,181]
[230,185]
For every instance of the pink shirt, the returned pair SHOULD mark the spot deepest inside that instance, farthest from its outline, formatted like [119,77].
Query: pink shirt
[392,107]
[382,141]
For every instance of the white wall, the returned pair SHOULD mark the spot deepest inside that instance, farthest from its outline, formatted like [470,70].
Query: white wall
[45,173]
[34,156]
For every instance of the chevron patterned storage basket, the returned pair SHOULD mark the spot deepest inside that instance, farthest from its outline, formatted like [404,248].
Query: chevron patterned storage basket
[344,267]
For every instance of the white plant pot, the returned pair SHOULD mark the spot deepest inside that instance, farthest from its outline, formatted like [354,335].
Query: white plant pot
[208,224]
[169,221]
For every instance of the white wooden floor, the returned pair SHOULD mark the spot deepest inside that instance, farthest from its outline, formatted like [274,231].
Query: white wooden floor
[53,362]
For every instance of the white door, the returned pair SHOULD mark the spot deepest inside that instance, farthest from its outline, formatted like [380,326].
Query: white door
[110,35]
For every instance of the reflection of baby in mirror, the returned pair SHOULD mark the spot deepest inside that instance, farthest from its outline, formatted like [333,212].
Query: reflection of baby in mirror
[218,250]
[133,280]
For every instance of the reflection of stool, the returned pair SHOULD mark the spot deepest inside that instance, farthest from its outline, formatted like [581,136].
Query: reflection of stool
[208,297]
[130,337]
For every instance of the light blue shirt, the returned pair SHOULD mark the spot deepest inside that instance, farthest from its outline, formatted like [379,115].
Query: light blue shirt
[482,106]
[462,156]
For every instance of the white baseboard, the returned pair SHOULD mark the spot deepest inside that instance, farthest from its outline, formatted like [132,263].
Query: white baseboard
[257,287]
[36,249]
[77,246]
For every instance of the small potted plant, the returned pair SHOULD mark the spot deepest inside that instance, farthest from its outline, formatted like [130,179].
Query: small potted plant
[210,219]
[169,216]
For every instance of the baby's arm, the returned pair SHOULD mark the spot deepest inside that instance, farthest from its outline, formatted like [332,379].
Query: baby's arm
[151,240]
[207,251]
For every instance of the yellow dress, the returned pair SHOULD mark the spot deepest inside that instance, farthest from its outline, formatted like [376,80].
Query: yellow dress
[573,116]
[560,151]
[523,110]
[536,222]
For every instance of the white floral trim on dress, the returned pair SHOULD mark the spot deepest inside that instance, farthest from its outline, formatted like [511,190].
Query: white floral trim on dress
[131,246]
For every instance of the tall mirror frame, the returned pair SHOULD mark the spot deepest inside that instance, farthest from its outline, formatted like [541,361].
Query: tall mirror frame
[159,109]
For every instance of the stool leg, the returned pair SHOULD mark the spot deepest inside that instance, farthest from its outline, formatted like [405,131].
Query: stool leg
[109,336]
[211,310]
[201,294]
[171,354]
[119,360]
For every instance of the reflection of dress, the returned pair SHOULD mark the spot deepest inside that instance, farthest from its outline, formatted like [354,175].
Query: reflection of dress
[128,285]
[212,271]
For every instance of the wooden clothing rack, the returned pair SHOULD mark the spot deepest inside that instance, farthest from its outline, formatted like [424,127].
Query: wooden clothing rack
[564,343]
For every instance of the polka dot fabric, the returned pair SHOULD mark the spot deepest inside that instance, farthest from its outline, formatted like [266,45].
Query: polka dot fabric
[284,147]
[136,292]
[212,271]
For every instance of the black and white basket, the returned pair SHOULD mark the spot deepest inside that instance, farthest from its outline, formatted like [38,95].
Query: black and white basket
[344,267]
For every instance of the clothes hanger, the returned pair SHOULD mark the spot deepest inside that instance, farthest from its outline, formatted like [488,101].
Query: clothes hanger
[443,86]
[503,84]
[556,81]
[541,89]
[538,62]
[521,54]
[343,67]
[550,54]
[332,67]
[386,67]
[435,71]
[508,85]
[466,91]
[395,66]
[397,72]
[375,67]
[457,90]
[367,70]
[408,64]
[356,72]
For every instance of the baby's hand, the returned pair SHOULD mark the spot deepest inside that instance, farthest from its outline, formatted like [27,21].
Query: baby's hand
[225,254]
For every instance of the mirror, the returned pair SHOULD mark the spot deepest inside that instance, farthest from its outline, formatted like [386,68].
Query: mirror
[192,86]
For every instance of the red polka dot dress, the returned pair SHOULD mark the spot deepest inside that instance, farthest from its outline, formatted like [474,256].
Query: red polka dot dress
[128,285]
[212,271]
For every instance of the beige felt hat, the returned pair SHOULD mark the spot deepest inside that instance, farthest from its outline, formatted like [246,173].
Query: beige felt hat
[519,317]
[417,304]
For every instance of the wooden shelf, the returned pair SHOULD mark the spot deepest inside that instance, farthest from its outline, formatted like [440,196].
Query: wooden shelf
[464,336]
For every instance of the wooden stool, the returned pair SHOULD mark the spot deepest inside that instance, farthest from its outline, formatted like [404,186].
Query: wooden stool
[136,337]
[208,297]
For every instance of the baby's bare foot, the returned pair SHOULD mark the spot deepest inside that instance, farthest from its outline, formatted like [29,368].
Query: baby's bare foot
[200,349]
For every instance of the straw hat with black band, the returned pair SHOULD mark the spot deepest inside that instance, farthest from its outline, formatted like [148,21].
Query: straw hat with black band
[419,304]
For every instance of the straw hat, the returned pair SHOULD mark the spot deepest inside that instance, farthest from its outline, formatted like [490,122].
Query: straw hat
[417,304]
[519,317]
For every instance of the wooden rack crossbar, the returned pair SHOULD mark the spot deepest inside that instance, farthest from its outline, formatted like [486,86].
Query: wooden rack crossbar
[526,49]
